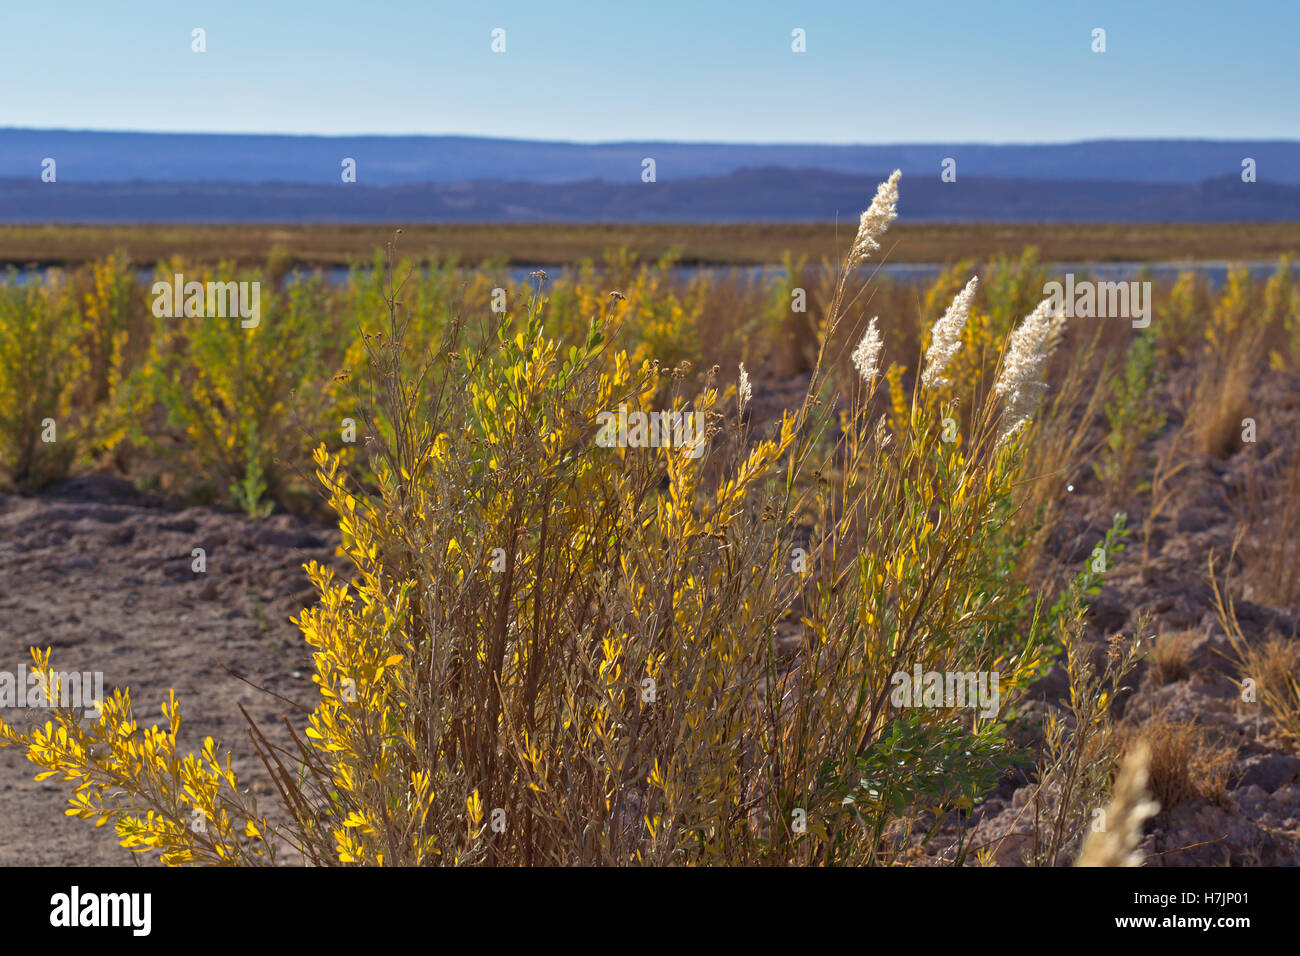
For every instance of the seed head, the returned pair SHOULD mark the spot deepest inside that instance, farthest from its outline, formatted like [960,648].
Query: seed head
[945,336]
[867,355]
[876,219]
[744,391]
[1021,385]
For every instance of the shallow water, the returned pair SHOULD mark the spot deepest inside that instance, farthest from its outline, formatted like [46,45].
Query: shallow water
[1216,272]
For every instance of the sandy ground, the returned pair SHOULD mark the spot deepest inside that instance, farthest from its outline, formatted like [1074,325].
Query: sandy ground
[96,573]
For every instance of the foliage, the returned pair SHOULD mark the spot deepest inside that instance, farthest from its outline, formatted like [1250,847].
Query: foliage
[1134,419]
[552,651]
[242,397]
[39,369]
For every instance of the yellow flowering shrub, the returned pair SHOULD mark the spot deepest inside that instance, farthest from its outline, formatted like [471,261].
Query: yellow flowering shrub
[40,368]
[1282,313]
[1231,313]
[574,635]
[1177,318]
[242,393]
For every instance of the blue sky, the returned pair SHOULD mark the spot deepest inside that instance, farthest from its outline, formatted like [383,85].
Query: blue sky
[908,71]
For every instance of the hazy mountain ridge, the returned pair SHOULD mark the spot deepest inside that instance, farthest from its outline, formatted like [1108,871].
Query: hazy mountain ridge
[766,194]
[92,156]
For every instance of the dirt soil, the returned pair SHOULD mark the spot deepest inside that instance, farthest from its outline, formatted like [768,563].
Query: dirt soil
[1216,503]
[104,577]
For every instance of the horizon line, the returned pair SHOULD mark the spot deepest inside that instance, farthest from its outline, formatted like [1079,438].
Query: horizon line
[638,142]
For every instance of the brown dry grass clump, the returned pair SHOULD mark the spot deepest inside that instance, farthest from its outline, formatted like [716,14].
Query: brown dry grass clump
[1187,762]
[1268,670]
[1274,668]
[1169,657]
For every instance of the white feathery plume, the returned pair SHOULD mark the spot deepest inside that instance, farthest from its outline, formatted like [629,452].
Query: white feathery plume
[1021,385]
[1056,333]
[876,219]
[867,354]
[744,392]
[945,336]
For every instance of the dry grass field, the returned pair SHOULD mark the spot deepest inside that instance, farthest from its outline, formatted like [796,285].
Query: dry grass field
[566,244]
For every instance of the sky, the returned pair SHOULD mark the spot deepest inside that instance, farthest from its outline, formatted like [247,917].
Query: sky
[688,70]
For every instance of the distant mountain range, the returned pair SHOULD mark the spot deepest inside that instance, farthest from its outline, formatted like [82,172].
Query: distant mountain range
[85,156]
[167,177]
